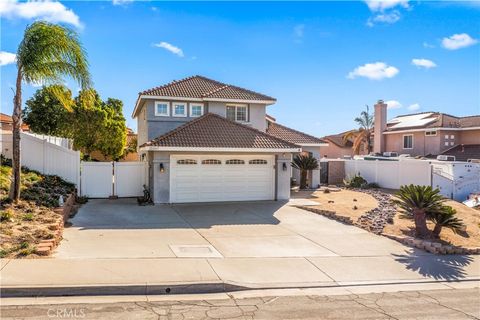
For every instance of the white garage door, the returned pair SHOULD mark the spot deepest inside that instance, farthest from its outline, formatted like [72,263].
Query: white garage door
[209,178]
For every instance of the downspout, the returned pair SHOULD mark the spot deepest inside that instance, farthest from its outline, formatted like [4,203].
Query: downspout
[276,177]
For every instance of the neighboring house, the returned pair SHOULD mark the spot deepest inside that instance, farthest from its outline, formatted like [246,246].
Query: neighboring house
[310,145]
[131,156]
[337,146]
[6,127]
[205,141]
[427,134]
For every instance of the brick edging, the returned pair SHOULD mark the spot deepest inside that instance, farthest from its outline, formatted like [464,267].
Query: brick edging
[45,247]
[329,214]
[432,247]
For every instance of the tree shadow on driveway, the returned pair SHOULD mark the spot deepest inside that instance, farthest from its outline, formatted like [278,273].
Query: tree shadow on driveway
[438,267]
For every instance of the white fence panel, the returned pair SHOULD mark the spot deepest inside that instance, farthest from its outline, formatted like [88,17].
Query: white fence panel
[48,158]
[129,178]
[391,174]
[97,179]
[417,172]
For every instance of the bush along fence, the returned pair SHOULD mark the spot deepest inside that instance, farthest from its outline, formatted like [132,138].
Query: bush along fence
[45,247]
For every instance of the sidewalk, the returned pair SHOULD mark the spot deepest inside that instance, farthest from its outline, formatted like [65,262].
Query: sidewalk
[31,277]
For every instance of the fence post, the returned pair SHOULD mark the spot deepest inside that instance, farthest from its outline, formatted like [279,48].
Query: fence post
[376,171]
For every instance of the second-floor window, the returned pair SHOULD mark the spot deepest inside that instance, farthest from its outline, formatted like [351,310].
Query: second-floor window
[162,109]
[179,109]
[237,113]
[196,109]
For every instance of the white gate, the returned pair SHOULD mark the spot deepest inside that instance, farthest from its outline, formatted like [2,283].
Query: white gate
[97,179]
[129,178]
[107,179]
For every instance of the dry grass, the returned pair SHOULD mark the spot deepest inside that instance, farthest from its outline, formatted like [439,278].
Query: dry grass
[343,201]
[470,217]
[23,226]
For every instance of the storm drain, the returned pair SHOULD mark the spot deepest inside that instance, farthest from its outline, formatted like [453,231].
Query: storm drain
[195,251]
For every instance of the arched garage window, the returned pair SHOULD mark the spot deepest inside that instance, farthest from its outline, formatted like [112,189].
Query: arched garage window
[186,161]
[257,161]
[211,161]
[234,161]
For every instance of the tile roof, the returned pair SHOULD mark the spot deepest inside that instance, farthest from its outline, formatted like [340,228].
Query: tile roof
[291,135]
[214,131]
[463,152]
[203,88]
[338,140]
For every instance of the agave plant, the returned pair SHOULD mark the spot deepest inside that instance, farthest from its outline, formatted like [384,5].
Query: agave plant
[445,217]
[416,202]
[304,163]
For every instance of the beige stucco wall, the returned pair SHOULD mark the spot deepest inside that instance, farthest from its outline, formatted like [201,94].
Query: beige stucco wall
[425,145]
[332,151]
[470,137]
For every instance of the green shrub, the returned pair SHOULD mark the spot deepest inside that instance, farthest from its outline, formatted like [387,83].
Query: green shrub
[355,182]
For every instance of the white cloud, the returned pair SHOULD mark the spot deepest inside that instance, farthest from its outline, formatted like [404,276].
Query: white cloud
[424,63]
[374,71]
[121,2]
[413,107]
[389,18]
[428,45]
[170,47]
[382,5]
[393,104]
[458,41]
[51,11]
[7,58]
[299,30]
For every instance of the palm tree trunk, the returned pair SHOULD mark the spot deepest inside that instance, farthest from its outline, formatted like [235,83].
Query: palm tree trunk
[437,230]
[14,193]
[303,179]
[421,230]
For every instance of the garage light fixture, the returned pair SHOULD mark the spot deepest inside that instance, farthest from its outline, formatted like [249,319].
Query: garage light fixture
[162,169]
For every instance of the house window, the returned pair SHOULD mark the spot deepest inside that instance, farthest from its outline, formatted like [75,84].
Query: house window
[237,113]
[162,109]
[452,137]
[179,109]
[446,136]
[235,161]
[408,141]
[257,161]
[431,133]
[196,110]
[186,161]
[211,161]
[446,143]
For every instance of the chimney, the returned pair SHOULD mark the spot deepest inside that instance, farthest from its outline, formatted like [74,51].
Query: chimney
[380,125]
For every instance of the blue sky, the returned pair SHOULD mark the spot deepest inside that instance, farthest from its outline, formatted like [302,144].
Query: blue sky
[323,61]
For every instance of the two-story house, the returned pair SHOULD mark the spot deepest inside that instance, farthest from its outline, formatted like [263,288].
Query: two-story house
[427,134]
[206,141]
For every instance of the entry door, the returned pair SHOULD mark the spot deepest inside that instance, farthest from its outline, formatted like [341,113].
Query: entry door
[210,178]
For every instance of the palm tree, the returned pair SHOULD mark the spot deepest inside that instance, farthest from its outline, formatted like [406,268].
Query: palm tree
[417,201]
[304,163]
[445,217]
[46,54]
[362,136]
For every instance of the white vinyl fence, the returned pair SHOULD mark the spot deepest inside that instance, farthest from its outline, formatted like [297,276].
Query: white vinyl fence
[48,158]
[391,174]
[106,179]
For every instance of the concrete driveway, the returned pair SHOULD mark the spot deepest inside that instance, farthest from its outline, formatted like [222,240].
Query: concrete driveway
[256,245]
[122,229]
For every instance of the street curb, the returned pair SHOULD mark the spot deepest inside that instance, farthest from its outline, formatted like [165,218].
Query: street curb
[169,289]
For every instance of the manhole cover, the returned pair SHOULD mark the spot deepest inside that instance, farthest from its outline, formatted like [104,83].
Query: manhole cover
[195,251]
